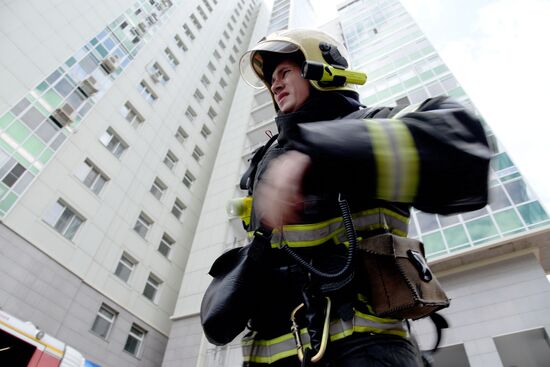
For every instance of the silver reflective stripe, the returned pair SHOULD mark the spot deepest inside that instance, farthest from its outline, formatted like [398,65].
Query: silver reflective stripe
[305,235]
[269,351]
[396,162]
[408,109]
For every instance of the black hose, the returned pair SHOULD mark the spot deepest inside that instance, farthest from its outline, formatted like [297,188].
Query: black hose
[352,238]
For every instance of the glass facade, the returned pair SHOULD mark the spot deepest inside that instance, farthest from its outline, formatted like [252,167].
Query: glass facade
[32,131]
[403,68]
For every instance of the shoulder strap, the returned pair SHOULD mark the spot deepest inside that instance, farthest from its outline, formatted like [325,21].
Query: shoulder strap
[246,180]
[370,112]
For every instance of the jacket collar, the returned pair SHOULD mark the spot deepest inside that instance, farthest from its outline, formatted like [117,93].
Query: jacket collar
[321,106]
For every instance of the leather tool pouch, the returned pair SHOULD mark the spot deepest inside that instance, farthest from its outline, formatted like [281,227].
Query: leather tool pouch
[394,275]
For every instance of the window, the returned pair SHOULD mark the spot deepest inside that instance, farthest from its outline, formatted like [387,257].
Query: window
[222,45]
[233,19]
[152,287]
[104,321]
[134,341]
[64,219]
[131,114]
[190,113]
[211,113]
[207,5]
[158,188]
[217,97]
[232,59]
[188,179]
[143,224]
[15,172]
[195,21]
[217,55]
[227,70]
[165,245]
[188,32]
[171,57]
[181,135]
[147,92]
[235,49]
[199,97]
[170,160]
[201,12]
[197,154]
[230,26]
[223,83]
[226,35]
[211,66]
[91,176]
[113,143]
[157,73]
[125,266]
[179,42]
[239,40]
[205,81]
[205,131]
[178,208]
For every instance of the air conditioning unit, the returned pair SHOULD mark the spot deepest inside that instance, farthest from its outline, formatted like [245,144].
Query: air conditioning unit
[63,116]
[87,86]
[142,27]
[157,76]
[136,31]
[110,64]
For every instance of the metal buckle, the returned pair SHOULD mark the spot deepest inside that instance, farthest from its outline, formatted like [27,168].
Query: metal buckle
[298,339]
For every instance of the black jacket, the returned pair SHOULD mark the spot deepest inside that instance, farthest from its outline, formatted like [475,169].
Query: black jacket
[446,149]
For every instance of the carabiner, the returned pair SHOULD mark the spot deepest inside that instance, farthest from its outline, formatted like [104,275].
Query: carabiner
[296,332]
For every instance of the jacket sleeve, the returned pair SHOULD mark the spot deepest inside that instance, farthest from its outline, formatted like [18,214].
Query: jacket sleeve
[435,158]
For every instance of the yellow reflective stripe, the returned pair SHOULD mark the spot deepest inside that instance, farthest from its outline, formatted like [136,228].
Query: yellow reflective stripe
[409,162]
[269,351]
[381,320]
[313,234]
[273,358]
[367,329]
[396,159]
[383,157]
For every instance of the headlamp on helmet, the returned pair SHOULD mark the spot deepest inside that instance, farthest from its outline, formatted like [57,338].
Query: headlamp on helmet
[323,59]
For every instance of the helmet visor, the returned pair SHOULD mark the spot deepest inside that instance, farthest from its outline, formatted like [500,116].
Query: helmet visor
[252,62]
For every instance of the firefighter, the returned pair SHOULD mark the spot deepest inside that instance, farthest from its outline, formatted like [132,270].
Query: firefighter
[383,160]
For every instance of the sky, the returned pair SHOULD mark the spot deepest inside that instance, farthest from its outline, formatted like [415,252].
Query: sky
[500,53]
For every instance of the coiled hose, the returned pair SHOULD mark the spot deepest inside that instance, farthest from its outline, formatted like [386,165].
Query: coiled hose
[351,236]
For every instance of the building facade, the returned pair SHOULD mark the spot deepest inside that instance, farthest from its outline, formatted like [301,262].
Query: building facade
[111,117]
[124,130]
[492,261]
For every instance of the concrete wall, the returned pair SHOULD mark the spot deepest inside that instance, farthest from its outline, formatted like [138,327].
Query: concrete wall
[498,298]
[35,288]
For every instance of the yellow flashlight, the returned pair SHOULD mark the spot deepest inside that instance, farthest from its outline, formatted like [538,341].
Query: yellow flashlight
[334,75]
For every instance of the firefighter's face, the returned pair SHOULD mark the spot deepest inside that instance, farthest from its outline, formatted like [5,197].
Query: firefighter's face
[289,88]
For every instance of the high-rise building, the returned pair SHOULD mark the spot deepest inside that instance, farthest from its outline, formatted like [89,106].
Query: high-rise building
[124,129]
[491,261]
[111,115]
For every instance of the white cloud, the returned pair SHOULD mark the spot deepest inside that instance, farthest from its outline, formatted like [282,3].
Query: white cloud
[503,66]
